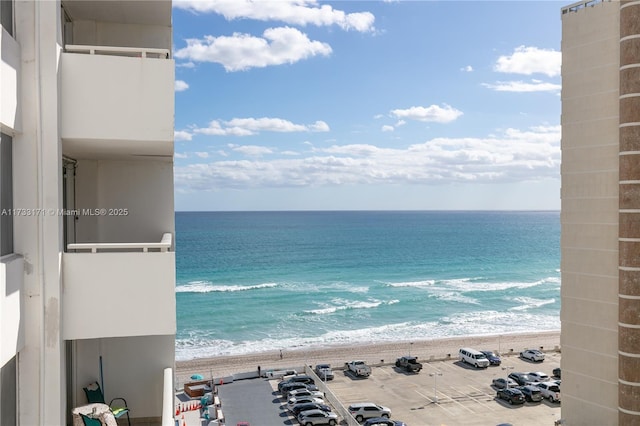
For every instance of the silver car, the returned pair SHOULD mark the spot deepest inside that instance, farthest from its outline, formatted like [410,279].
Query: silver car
[324,371]
[532,355]
[367,410]
[317,417]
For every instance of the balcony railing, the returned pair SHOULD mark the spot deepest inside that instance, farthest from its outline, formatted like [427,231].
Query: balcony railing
[163,245]
[581,5]
[138,52]
[132,86]
[104,280]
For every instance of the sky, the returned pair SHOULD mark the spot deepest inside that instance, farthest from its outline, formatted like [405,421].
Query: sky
[365,105]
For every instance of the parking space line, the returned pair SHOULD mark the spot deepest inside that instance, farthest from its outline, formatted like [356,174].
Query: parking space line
[483,392]
[458,402]
[432,402]
[481,402]
[384,371]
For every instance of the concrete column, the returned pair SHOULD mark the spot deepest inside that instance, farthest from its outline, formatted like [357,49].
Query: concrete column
[629,217]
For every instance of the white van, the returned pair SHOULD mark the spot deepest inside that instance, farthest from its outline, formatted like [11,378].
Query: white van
[473,357]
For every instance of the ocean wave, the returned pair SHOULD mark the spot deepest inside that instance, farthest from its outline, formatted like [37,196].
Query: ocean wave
[469,284]
[208,287]
[341,305]
[451,296]
[530,303]
[419,284]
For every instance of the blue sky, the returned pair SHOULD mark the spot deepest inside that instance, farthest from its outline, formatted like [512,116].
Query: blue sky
[362,105]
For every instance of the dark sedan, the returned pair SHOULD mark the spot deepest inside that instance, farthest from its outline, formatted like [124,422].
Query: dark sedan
[383,421]
[512,396]
[493,358]
[306,406]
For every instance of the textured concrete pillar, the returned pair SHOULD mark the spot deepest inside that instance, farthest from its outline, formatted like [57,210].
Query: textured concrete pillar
[629,217]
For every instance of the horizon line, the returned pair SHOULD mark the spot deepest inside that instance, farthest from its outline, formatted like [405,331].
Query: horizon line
[368,210]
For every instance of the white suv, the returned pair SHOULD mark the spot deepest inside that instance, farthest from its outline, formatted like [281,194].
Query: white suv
[368,410]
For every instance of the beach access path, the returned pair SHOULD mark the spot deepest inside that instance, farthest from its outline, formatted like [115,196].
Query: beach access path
[374,354]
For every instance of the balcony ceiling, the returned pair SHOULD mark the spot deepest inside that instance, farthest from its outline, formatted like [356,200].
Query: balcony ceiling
[117,150]
[145,12]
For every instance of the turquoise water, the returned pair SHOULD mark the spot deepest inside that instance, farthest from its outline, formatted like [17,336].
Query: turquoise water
[255,281]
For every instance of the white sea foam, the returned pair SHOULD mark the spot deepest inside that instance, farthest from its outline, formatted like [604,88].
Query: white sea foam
[208,287]
[342,304]
[451,296]
[419,284]
[530,303]
[469,284]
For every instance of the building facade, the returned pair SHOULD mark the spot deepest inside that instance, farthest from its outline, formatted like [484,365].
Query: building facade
[600,215]
[87,266]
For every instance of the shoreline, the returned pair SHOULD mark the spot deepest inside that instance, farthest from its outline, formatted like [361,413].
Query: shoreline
[373,353]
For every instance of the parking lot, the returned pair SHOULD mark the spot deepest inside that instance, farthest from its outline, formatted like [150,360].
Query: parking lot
[443,393]
[464,394]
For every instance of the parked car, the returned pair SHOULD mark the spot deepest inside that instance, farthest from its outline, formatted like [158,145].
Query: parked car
[306,406]
[493,358]
[305,392]
[409,363]
[550,390]
[358,367]
[291,387]
[473,357]
[522,379]
[531,393]
[556,372]
[302,378]
[511,395]
[502,383]
[304,399]
[532,355]
[324,371]
[367,410]
[317,417]
[381,421]
[539,376]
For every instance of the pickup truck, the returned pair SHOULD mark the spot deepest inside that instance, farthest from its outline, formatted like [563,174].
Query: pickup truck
[409,363]
[359,368]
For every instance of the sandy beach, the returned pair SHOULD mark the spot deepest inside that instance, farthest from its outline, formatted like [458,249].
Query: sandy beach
[374,354]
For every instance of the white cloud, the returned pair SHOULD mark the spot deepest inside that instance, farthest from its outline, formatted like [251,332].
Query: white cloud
[186,65]
[387,128]
[468,68]
[240,52]
[180,86]
[180,155]
[202,154]
[433,113]
[530,60]
[294,12]
[400,123]
[182,135]
[521,86]
[252,126]
[251,150]
[512,155]
[319,126]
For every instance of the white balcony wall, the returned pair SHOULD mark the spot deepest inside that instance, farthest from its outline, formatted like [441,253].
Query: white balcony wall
[118,294]
[11,306]
[132,368]
[116,105]
[9,72]
[144,188]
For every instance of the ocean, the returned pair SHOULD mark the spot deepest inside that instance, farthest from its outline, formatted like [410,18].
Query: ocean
[258,281]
